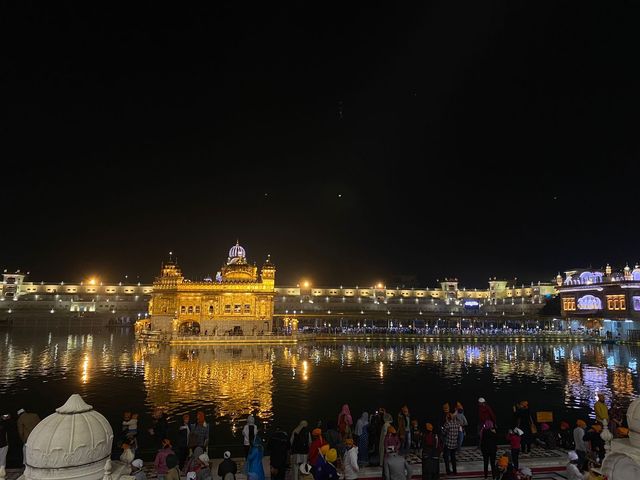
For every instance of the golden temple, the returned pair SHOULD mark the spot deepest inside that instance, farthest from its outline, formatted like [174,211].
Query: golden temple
[238,302]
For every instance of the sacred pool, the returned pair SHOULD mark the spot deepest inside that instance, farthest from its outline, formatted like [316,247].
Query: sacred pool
[310,380]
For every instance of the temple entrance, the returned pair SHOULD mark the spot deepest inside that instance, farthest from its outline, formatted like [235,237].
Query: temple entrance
[189,328]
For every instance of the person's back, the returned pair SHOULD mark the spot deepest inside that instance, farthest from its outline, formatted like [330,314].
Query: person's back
[396,467]
[27,421]
[227,467]
[350,462]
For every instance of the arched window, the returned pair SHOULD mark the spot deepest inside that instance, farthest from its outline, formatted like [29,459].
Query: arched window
[190,310]
[210,309]
[589,302]
[183,309]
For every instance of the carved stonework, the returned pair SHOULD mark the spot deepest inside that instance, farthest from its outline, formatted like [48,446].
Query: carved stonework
[74,442]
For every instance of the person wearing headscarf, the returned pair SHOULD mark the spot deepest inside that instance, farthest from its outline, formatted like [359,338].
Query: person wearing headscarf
[327,470]
[362,423]
[227,469]
[515,442]
[548,437]
[160,461]
[300,441]
[392,439]
[249,433]
[459,413]
[404,429]
[193,464]
[504,471]
[317,442]
[137,470]
[431,448]
[573,469]
[278,446]
[595,442]
[578,439]
[489,447]
[524,422]
[205,469]
[388,420]
[600,409]
[253,465]
[345,421]
[485,412]
[350,460]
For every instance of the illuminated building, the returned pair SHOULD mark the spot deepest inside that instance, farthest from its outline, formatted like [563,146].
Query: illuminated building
[602,298]
[238,302]
[286,307]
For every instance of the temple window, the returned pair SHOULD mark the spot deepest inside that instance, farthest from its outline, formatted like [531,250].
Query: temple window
[247,308]
[190,309]
[183,309]
[210,309]
[616,302]
[197,309]
[237,308]
[227,308]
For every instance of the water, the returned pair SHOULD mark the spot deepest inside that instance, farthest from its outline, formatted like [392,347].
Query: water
[284,384]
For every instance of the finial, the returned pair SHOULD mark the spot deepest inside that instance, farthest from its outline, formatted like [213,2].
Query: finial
[107,470]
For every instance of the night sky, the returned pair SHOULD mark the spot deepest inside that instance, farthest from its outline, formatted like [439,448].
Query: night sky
[354,143]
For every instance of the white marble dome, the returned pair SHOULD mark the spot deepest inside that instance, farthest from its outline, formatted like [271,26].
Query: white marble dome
[74,439]
[633,420]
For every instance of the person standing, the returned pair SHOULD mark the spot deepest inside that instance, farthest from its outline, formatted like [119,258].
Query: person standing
[182,442]
[459,413]
[396,466]
[485,412]
[253,465]
[159,426]
[578,439]
[514,439]
[227,469]
[450,434]
[404,429]
[160,461]
[350,460]
[431,448]
[173,471]
[392,440]
[201,431]
[300,441]
[595,442]
[489,447]
[278,445]
[345,422]
[573,468]
[524,422]
[601,409]
[27,421]
[362,438]
[388,420]
[317,443]
[249,433]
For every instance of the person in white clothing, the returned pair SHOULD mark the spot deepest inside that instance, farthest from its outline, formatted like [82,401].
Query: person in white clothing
[573,472]
[249,433]
[350,460]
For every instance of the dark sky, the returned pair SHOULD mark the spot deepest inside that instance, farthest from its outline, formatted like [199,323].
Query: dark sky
[465,139]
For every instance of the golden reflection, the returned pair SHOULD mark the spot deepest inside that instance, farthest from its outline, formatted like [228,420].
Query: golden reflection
[85,368]
[236,380]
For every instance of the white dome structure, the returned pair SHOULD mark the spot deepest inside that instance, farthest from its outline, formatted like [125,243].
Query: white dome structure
[623,461]
[75,442]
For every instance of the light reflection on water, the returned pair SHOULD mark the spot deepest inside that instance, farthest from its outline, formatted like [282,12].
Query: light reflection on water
[287,383]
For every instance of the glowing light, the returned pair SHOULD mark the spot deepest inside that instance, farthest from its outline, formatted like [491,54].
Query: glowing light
[92,281]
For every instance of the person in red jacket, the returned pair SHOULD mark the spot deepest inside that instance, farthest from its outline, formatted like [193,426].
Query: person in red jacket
[314,448]
[485,412]
[514,437]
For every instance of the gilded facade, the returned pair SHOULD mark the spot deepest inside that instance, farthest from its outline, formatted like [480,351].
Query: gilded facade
[239,301]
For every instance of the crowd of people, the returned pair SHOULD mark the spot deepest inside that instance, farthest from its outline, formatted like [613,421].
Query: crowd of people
[322,450]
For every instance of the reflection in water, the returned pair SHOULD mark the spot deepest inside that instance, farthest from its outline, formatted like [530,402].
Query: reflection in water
[287,382]
[235,381]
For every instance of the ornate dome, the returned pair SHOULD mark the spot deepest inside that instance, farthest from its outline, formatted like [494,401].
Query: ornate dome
[236,254]
[75,436]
